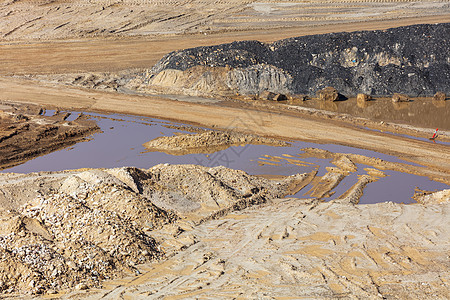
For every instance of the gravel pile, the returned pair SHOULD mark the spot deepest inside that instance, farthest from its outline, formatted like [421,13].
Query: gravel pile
[93,225]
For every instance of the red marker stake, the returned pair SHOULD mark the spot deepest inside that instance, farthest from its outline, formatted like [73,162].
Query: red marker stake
[435,135]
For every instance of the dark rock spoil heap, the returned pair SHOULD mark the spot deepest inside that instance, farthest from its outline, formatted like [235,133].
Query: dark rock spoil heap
[413,60]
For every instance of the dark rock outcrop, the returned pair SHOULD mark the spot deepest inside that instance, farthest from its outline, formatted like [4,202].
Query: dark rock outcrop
[413,60]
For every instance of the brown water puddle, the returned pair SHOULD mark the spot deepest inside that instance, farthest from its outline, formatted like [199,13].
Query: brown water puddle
[419,112]
[387,185]
[120,144]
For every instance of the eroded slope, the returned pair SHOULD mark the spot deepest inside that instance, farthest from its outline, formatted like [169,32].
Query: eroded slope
[413,60]
[78,228]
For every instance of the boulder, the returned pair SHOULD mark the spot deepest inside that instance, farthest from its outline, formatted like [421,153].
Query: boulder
[279,97]
[400,98]
[328,94]
[439,96]
[363,97]
[266,95]
[361,100]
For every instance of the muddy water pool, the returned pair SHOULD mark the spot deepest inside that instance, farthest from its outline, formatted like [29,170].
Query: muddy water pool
[419,112]
[120,144]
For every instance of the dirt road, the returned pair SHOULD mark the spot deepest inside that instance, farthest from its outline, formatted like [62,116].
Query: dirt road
[289,247]
[99,55]
[435,156]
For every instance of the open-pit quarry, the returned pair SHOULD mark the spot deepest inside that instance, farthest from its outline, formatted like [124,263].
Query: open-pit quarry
[224,149]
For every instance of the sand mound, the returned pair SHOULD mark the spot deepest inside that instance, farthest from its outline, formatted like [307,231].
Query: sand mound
[92,225]
[207,142]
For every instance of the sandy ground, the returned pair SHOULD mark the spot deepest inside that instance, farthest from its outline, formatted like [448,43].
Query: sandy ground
[190,231]
[270,124]
[45,20]
[290,250]
[220,248]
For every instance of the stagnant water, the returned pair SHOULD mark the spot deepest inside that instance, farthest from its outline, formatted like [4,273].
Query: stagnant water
[120,144]
[420,112]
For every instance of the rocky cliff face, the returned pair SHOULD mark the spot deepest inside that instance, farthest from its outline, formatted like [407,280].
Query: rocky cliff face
[413,60]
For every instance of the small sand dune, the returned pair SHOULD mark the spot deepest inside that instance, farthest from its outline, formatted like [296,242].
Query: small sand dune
[207,142]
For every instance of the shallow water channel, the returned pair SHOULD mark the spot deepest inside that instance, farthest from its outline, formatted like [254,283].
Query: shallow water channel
[120,144]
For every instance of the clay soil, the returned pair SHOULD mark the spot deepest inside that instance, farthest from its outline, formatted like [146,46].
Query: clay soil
[188,231]
[26,132]
[261,120]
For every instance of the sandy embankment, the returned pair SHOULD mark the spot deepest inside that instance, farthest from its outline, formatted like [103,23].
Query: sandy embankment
[207,142]
[211,232]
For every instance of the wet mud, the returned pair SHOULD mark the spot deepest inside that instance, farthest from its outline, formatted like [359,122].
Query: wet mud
[29,131]
[122,138]
[419,112]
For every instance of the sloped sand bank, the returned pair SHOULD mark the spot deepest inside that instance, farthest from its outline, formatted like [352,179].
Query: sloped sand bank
[77,230]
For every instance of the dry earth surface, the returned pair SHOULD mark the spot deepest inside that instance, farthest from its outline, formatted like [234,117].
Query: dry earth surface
[203,233]
[207,232]
[45,19]
[288,250]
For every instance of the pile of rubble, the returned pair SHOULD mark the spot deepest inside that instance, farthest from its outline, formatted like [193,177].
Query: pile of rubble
[75,229]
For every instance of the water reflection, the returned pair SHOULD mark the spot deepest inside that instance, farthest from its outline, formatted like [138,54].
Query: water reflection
[120,144]
[421,112]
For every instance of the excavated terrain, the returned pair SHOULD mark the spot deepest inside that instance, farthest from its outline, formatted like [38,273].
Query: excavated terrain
[190,231]
[77,228]
[63,19]
[412,60]
[186,231]
[26,132]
